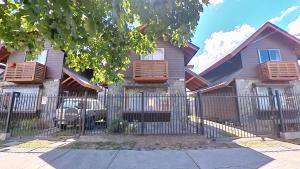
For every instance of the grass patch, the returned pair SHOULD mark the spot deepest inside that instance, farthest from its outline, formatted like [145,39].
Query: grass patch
[116,146]
[260,143]
[102,145]
[68,132]
[34,144]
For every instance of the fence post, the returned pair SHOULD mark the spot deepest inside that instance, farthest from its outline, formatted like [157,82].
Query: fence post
[10,110]
[199,94]
[83,114]
[143,113]
[280,115]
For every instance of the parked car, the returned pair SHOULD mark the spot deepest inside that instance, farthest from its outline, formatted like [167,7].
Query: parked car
[69,113]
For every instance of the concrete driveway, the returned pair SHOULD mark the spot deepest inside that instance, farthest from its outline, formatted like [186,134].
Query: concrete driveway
[229,158]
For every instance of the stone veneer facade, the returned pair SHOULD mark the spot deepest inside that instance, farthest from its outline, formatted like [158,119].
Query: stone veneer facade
[48,90]
[177,104]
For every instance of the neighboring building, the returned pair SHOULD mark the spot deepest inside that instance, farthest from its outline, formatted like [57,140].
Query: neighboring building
[267,61]
[164,71]
[46,76]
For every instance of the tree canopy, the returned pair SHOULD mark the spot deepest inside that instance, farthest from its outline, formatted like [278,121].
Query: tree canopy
[97,34]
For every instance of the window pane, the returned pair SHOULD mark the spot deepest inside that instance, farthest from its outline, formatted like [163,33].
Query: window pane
[42,57]
[263,98]
[274,54]
[263,56]
[147,57]
[158,54]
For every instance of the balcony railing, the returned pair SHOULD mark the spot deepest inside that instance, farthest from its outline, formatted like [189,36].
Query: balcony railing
[25,72]
[279,71]
[150,71]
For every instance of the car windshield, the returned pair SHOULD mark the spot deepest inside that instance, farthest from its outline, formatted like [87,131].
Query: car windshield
[71,104]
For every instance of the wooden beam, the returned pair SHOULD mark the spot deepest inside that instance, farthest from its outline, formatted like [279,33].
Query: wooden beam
[188,81]
[68,84]
[190,66]
[65,81]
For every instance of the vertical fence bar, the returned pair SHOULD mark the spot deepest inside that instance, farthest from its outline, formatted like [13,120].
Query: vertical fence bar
[143,112]
[201,113]
[281,119]
[9,113]
[83,115]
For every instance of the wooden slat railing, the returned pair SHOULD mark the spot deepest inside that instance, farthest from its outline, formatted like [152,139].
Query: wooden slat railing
[147,71]
[279,71]
[25,72]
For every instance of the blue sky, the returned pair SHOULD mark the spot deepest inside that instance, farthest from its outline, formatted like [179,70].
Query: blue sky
[226,23]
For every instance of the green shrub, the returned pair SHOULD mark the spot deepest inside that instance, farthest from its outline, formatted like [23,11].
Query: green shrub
[118,126]
[132,127]
[28,126]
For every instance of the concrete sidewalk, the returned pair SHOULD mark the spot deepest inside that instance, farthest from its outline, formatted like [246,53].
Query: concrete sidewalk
[232,158]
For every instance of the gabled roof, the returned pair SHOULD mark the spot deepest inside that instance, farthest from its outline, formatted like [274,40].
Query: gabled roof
[266,26]
[189,51]
[193,81]
[3,53]
[80,80]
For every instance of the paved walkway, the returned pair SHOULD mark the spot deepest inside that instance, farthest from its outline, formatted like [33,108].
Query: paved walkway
[230,158]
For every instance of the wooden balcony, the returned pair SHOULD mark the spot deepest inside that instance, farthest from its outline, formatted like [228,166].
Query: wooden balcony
[279,71]
[26,72]
[150,71]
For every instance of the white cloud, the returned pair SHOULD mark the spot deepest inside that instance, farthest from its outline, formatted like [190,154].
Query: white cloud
[215,2]
[284,14]
[1,1]
[294,27]
[219,45]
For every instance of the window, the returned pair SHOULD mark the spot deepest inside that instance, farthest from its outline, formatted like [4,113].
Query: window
[158,54]
[269,55]
[152,101]
[263,98]
[267,99]
[42,57]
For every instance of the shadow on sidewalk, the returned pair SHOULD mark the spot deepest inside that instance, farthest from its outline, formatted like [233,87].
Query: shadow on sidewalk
[118,152]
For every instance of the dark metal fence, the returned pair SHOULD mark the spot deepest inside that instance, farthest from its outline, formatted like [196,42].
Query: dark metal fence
[211,115]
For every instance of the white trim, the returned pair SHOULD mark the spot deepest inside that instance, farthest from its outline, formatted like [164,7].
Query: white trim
[163,50]
[269,49]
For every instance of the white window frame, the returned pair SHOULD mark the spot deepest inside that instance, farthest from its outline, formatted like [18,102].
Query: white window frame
[259,57]
[163,57]
[46,57]
[46,51]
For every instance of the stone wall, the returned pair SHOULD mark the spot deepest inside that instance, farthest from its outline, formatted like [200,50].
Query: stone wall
[50,88]
[296,86]
[45,93]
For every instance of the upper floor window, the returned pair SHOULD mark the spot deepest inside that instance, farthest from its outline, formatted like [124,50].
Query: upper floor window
[269,55]
[158,54]
[42,57]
